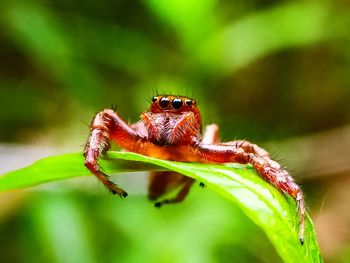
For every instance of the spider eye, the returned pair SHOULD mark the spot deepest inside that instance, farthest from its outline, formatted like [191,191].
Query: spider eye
[176,103]
[164,102]
[154,99]
[188,102]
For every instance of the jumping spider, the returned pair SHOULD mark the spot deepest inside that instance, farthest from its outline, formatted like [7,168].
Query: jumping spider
[171,130]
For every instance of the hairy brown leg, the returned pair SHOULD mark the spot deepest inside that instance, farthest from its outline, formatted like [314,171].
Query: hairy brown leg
[266,167]
[249,148]
[173,180]
[211,134]
[161,182]
[105,125]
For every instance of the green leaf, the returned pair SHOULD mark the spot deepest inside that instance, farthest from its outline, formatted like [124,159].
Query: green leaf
[274,212]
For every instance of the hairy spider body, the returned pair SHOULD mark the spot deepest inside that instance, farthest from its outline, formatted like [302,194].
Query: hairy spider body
[171,130]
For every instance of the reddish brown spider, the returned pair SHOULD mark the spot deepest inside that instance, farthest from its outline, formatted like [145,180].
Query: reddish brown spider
[171,130]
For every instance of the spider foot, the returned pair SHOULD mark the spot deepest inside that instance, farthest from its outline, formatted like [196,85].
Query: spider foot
[285,183]
[161,203]
[201,185]
[121,193]
[117,190]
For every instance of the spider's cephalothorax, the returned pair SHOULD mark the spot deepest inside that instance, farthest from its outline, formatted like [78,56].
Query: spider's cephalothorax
[172,120]
[171,130]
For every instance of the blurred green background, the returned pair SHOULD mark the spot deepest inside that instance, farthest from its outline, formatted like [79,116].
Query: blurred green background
[274,72]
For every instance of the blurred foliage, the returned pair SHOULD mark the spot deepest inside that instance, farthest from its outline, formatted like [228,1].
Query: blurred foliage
[262,70]
[63,61]
[73,226]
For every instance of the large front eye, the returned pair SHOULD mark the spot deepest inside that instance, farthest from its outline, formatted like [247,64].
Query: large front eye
[176,103]
[164,102]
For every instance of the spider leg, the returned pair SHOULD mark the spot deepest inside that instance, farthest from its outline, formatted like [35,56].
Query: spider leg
[187,183]
[162,182]
[211,134]
[249,148]
[105,126]
[244,152]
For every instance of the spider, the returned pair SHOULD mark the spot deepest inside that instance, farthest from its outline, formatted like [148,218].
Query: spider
[171,130]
